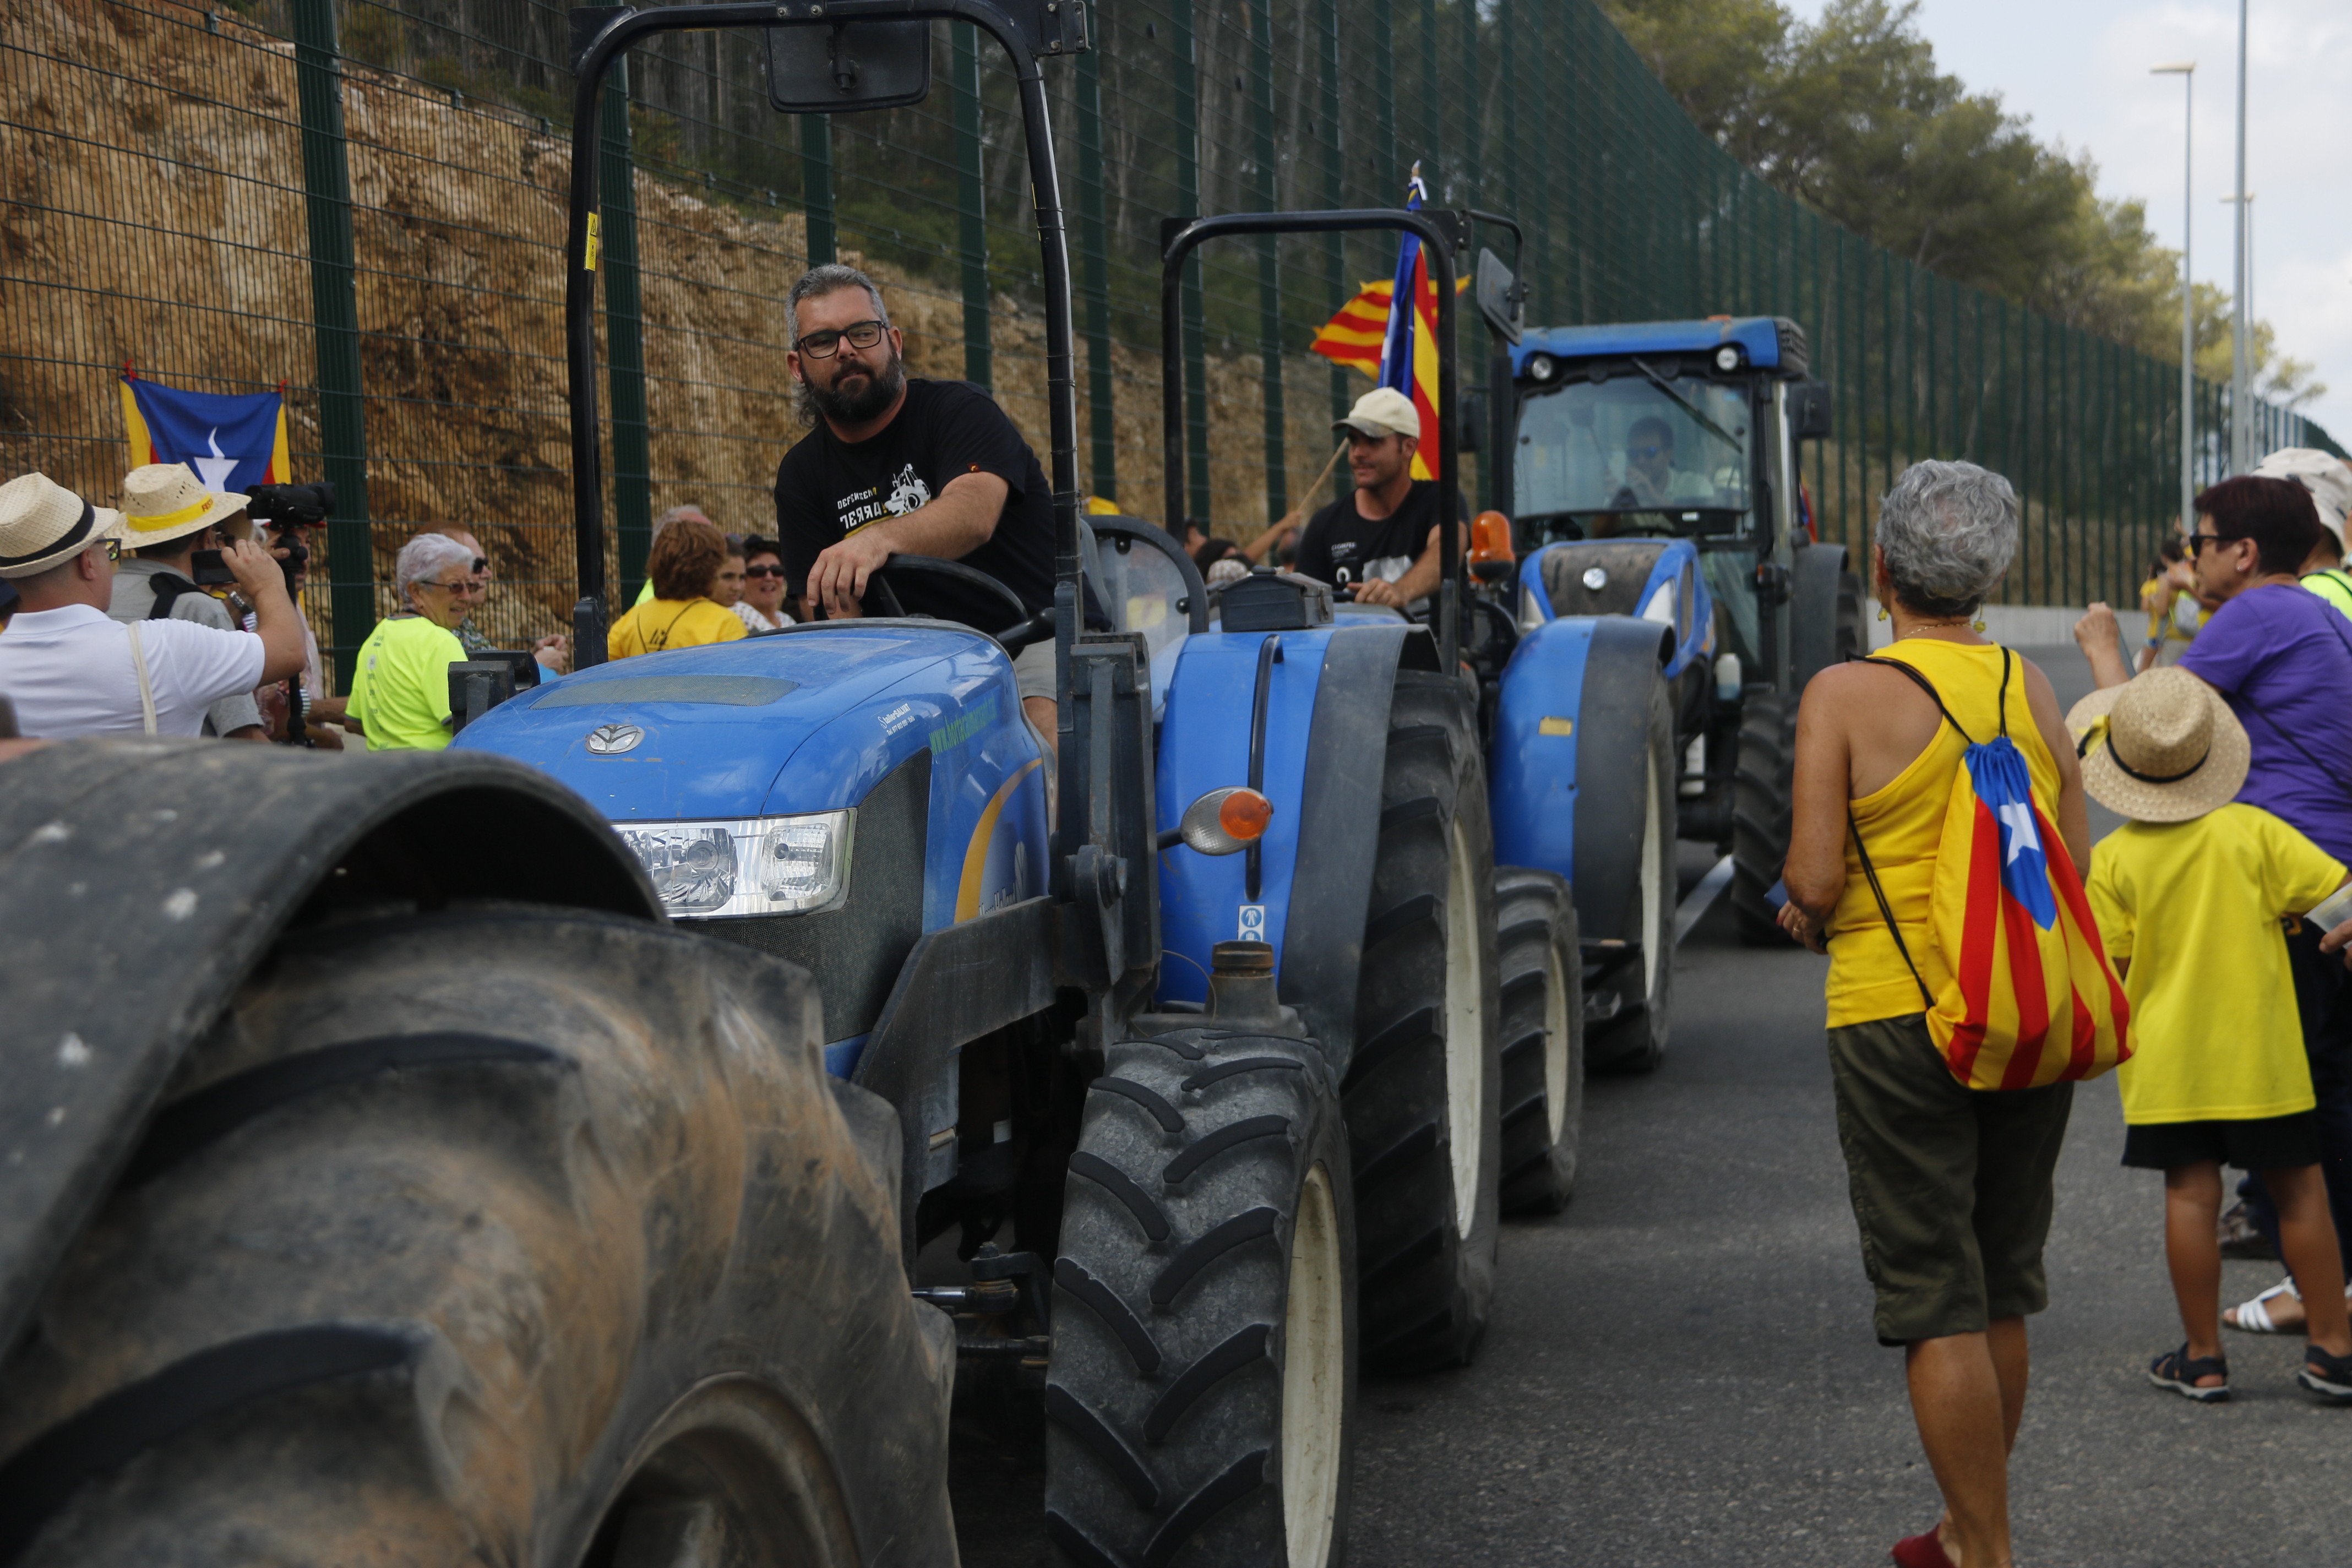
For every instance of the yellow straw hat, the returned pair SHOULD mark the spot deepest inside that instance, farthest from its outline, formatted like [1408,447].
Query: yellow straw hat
[165,501]
[2162,747]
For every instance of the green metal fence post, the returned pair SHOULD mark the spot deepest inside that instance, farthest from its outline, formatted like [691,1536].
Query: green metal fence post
[1335,273]
[335,327]
[1093,256]
[1269,254]
[816,189]
[1197,492]
[624,349]
[972,212]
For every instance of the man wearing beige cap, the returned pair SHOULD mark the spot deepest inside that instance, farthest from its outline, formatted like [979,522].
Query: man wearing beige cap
[2329,479]
[167,517]
[71,670]
[1382,541]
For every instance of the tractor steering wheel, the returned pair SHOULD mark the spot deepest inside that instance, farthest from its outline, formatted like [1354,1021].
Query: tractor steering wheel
[1019,631]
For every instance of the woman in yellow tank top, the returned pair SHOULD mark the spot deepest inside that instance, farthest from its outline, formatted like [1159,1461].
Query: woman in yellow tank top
[1951,1186]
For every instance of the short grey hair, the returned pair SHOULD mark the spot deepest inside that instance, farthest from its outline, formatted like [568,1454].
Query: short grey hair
[1947,532]
[830,279]
[677,514]
[424,555]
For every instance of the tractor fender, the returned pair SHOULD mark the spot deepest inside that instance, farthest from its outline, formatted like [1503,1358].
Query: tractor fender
[1575,686]
[141,880]
[1814,611]
[1326,737]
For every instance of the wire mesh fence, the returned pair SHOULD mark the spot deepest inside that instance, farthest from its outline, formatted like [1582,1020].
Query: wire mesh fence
[363,200]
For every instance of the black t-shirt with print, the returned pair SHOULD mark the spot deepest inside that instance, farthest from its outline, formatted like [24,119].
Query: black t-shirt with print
[1341,546]
[827,489]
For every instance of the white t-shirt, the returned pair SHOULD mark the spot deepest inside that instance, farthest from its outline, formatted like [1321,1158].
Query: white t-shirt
[69,672]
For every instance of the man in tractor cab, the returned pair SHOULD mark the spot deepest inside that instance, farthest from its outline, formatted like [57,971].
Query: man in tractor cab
[906,466]
[1382,541]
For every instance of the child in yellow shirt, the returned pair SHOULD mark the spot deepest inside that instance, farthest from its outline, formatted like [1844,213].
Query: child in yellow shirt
[2188,896]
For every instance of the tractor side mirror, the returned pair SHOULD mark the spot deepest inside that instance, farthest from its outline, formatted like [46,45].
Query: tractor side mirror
[1470,433]
[1808,411]
[848,66]
[1500,298]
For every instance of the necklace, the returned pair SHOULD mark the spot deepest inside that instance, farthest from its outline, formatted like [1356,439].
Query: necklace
[1931,625]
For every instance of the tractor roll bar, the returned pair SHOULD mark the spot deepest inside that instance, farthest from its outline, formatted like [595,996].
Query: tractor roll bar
[599,35]
[1180,237]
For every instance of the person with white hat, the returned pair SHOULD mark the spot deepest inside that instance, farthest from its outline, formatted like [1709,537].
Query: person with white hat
[71,670]
[1382,541]
[167,517]
[2329,479]
[2189,894]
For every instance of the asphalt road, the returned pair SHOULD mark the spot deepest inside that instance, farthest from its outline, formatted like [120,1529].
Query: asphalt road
[1680,1371]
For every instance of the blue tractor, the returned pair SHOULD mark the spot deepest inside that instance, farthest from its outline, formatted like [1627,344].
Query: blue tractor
[1191,1017]
[1668,606]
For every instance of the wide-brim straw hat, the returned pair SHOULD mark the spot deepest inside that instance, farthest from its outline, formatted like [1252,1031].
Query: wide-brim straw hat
[44,524]
[165,501]
[2162,747]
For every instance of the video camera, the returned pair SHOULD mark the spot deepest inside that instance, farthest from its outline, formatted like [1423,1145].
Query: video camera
[290,509]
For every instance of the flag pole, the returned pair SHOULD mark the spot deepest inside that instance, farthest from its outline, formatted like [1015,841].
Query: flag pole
[1256,549]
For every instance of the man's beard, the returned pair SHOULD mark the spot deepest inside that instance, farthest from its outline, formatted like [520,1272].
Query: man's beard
[881,389]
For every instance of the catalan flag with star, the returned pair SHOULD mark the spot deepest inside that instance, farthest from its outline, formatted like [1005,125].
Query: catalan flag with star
[1396,344]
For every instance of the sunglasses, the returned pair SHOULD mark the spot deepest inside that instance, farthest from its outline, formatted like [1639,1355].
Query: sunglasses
[764,570]
[113,549]
[861,335]
[481,564]
[2197,542]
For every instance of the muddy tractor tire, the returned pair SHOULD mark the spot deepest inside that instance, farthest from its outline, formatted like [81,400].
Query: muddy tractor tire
[1543,1039]
[1760,814]
[1424,1090]
[1199,1395]
[1630,971]
[491,1232]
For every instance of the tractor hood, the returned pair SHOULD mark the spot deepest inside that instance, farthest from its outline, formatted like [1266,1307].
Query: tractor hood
[707,731]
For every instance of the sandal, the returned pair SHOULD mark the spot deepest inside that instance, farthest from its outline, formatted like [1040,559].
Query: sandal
[1922,1552]
[2178,1371]
[2253,1317]
[2332,1382]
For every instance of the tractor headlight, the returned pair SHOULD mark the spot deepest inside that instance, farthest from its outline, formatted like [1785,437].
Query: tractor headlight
[754,866]
[1541,368]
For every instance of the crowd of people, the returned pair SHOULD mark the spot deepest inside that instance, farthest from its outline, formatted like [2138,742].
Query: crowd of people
[175,616]
[2228,753]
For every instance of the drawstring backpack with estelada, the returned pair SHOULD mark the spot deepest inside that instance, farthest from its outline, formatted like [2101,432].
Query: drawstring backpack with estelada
[2032,999]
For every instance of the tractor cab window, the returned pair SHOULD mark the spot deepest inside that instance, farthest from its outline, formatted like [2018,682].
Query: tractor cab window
[1637,454]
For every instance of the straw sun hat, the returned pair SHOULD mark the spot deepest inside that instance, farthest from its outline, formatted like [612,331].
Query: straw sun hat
[2163,747]
[164,501]
[44,524]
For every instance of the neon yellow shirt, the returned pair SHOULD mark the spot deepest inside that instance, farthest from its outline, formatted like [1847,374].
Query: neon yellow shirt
[2335,585]
[401,694]
[661,624]
[2196,907]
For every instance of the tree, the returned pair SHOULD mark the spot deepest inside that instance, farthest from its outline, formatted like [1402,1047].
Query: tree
[1850,115]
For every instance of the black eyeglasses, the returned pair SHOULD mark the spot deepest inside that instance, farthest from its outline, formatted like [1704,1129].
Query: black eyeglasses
[861,335]
[764,570]
[2197,542]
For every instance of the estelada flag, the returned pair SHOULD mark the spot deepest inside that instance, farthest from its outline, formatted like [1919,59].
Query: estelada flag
[1354,336]
[233,440]
[2031,999]
[1409,349]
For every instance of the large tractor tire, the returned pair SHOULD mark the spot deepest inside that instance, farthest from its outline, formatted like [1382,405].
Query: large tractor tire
[1760,814]
[1632,979]
[1424,1090]
[1543,1039]
[494,1235]
[1199,1390]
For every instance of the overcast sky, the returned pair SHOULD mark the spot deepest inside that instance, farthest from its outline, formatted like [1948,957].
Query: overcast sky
[2079,69]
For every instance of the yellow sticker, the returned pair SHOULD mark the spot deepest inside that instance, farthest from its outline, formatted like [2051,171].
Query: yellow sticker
[1556,727]
[591,241]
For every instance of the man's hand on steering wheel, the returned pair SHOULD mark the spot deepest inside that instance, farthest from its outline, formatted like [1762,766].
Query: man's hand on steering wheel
[838,579]
[1373,591]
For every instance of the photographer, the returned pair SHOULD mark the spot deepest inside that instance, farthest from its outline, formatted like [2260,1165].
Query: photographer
[169,518]
[72,670]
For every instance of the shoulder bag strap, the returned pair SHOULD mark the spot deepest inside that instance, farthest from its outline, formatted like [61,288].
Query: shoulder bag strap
[1923,684]
[146,689]
[1885,911]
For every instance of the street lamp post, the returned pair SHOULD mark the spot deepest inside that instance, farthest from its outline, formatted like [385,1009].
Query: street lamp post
[2187,71]
[2242,456]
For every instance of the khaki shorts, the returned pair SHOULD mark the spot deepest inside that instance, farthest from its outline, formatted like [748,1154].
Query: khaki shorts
[1033,668]
[1952,1186]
